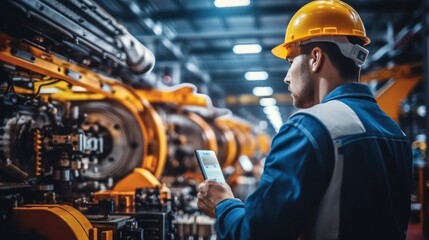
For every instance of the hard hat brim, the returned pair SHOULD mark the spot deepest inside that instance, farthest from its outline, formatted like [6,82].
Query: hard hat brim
[280,51]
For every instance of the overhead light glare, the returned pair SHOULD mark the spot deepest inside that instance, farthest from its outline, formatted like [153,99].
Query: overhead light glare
[247,48]
[271,110]
[262,91]
[256,75]
[277,124]
[263,124]
[267,102]
[273,114]
[191,67]
[231,3]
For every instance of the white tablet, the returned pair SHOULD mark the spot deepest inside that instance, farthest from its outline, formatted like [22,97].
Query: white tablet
[209,165]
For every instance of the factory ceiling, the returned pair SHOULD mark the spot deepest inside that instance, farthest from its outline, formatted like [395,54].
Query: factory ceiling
[193,41]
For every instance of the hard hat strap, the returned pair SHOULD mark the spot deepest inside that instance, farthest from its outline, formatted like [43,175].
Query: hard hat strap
[353,51]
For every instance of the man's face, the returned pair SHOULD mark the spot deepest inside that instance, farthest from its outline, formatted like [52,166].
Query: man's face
[298,78]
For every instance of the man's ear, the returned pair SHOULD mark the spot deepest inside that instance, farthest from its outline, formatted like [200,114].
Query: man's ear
[317,58]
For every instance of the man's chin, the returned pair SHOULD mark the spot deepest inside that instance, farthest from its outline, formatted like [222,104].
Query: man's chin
[300,104]
[295,102]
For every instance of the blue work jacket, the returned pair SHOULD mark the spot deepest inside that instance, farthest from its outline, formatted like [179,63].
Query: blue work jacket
[339,170]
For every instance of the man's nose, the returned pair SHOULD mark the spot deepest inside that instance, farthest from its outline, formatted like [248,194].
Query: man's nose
[287,79]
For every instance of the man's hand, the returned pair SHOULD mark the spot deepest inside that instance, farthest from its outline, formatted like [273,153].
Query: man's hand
[210,193]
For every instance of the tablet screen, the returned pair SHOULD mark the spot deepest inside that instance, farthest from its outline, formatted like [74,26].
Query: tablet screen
[209,165]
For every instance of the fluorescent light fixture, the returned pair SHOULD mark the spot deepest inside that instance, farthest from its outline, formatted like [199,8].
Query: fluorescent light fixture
[263,124]
[277,121]
[157,29]
[274,115]
[267,102]
[135,8]
[191,67]
[256,75]
[231,3]
[271,110]
[277,124]
[247,48]
[262,91]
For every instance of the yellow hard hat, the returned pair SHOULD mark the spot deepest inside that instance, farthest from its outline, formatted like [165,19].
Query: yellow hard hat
[322,18]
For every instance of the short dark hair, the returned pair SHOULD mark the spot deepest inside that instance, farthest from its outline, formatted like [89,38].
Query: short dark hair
[347,68]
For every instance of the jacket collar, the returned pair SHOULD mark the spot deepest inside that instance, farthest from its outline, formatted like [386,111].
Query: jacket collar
[350,90]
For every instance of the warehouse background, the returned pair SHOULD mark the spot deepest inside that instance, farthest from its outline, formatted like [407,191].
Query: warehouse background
[83,122]
[193,41]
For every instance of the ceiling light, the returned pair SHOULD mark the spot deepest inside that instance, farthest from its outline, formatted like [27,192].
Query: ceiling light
[247,48]
[263,124]
[256,75]
[267,102]
[231,3]
[271,110]
[273,115]
[191,67]
[277,125]
[263,91]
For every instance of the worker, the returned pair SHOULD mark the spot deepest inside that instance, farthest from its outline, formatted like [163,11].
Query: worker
[339,168]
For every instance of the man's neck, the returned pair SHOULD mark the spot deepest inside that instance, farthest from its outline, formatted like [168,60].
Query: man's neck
[325,86]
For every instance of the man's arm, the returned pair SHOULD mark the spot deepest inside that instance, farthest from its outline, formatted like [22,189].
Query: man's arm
[295,177]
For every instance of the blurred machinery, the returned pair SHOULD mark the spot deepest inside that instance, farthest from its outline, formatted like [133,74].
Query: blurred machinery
[89,145]
[92,147]
[399,92]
